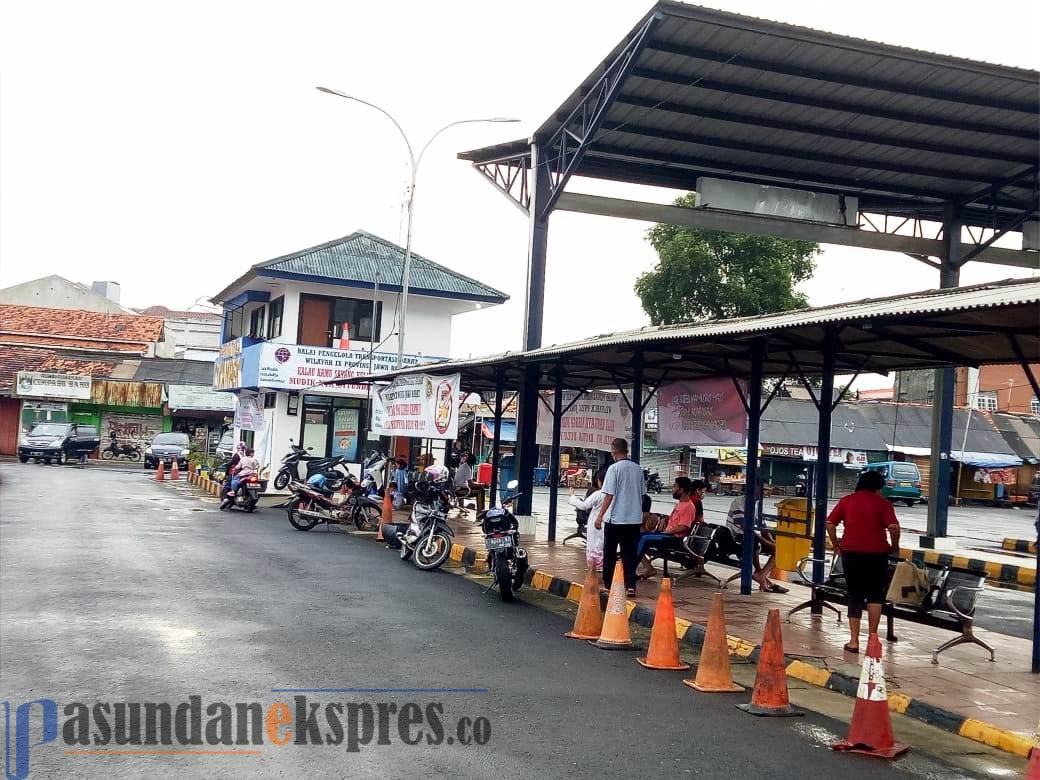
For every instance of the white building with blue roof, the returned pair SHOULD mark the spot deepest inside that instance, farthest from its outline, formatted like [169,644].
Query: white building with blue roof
[326,313]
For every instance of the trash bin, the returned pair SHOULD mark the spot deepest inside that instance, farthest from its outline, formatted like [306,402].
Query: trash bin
[541,474]
[793,540]
[506,474]
[484,473]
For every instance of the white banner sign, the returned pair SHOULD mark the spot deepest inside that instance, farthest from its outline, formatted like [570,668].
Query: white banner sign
[419,406]
[296,367]
[851,458]
[249,413]
[592,422]
[42,385]
[199,397]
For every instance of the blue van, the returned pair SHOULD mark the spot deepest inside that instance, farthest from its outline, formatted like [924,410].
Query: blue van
[902,480]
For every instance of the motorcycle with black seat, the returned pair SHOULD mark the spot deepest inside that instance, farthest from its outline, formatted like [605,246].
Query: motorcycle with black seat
[507,560]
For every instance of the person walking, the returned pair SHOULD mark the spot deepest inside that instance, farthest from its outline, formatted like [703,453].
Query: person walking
[621,515]
[590,504]
[864,550]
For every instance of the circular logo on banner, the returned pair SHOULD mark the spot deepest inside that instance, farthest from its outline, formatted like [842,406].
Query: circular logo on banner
[282,355]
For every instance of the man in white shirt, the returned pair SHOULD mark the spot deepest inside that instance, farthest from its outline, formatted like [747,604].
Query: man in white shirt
[621,515]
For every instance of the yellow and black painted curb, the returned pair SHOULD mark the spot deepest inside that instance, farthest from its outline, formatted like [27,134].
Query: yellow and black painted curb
[799,669]
[1022,577]
[1027,546]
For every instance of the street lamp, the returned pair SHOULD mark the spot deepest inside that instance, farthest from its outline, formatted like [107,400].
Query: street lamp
[414,161]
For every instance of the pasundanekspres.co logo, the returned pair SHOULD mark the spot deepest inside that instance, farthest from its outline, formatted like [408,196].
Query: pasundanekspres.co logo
[238,728]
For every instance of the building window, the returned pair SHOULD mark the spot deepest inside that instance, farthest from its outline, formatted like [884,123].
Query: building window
[1034,406]
[274,317]
[256,323]
[358,314]
[322,320]
[986,401]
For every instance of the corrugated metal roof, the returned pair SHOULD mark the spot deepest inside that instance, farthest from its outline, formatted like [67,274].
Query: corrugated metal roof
[1021,433]
[363,259]
[795,422]
[720,94]
[910,425]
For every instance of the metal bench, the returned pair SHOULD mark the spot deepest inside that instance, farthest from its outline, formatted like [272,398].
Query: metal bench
[696,548]
[949,604]
[581,516]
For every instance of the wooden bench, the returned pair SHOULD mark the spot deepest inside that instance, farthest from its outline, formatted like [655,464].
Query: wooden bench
[949,604]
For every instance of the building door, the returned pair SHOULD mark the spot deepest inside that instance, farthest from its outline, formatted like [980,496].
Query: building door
[316,419]
[10,426]
[314,321]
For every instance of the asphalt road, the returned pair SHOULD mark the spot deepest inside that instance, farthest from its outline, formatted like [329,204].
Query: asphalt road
[115,589]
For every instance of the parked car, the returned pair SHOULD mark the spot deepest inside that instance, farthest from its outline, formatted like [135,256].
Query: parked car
[902,480]
[165,448]
[226,445]
[58,442]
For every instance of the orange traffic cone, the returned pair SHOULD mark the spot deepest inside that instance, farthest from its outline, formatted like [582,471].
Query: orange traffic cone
[388,513]
[870,731]
[160,473]
[615,634]
[778,574]
[713,671]
[770,694]
[663,652]
[175,472]
[589,621]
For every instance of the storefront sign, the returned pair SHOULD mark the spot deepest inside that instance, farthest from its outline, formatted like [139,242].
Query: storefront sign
[592,422]
[200,398]
[345,433]
[783,451]
[227,369]
[419,406]
[249,413]
[45,385]
[701,411]
[294,367]
[851,458]
[996,476]
[141,394]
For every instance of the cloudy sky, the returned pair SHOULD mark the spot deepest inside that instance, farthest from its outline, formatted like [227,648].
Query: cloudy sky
[168,146]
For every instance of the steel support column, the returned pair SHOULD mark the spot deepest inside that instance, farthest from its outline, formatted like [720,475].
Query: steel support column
[823,454]
[754,410]
[527,415]
[496,442]
[942,398]
[554,455]
[635,448]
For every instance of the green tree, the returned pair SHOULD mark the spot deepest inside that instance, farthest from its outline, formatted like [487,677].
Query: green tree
[705,274]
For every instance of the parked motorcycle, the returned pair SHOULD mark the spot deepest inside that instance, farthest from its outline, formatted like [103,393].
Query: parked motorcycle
[334,467]
[114,450]
[373,473]
[427,540]
[652,478]
[507,560]
[801,484]
[246,496]
[319,501]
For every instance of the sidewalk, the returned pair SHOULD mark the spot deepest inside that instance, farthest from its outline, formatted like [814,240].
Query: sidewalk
[965,693]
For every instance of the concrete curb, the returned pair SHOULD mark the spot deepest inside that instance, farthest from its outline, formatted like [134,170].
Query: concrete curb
[821,677]
[1020,545]
[999,573]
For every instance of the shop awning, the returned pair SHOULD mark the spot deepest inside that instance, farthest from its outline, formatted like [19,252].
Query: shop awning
[987,460]
[508,430]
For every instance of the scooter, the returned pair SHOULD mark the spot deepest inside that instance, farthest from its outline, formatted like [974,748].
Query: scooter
[507,560]
[246,496]
[373,473]
[427,540]
[652,478]
[289,469]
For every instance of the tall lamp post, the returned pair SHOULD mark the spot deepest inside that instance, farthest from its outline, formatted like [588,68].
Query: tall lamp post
[415,161]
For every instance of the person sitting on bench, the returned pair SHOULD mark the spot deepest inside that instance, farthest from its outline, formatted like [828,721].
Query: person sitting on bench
[763,541]
[671,530]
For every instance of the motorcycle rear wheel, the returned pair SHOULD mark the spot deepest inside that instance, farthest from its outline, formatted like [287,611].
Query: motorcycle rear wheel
[281,480]
[504,578]
[135,456]
[299,522]
[431,554]
[107,455]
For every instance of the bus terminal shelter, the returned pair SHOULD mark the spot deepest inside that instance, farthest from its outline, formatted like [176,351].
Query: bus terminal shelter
[935,329]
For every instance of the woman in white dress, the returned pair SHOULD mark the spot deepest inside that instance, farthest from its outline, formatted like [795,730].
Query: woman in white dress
[593,536]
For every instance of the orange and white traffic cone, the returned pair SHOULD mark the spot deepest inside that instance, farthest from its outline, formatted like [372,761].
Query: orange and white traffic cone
[663,652]
[175,472]
[160,473]
[870,731]
[714,674]
[769,697]
[615,634]
[588,623]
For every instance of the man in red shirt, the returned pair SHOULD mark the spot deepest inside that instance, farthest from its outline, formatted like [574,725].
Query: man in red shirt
[871,534]
[671,530]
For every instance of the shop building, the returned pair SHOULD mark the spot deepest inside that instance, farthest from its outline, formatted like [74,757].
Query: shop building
[294,324]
